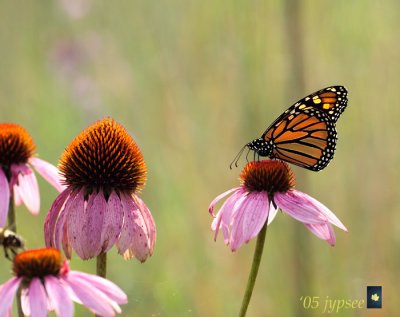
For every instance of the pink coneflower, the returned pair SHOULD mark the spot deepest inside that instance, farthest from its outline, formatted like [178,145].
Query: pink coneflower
[103,170]
[48,285]
[266,186]
[16,161]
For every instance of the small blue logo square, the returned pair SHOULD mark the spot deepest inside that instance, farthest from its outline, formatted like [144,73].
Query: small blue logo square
[374,296]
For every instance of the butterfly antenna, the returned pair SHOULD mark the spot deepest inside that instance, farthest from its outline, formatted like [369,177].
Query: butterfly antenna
[237,157]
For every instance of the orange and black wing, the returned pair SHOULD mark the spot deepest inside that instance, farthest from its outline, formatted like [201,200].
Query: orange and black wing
[331,100]
[305,139]
[305,134]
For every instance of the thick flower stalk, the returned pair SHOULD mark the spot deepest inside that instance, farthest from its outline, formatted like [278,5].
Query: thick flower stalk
[48,285]
[16,175]
[266,186]
[103,170]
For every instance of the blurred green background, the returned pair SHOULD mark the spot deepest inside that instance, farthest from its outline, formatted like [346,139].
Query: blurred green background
[193,81]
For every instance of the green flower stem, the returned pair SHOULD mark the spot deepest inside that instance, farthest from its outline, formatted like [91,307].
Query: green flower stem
[254,270]
[12,225]
[101,264]
[101,267]
[12,222]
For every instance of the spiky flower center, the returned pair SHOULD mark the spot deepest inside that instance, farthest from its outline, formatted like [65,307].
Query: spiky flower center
[16,145]
[104,156]
[270,176]
[38,263]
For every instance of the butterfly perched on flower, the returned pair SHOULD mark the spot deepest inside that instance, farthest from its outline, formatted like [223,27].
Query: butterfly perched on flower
[305,134]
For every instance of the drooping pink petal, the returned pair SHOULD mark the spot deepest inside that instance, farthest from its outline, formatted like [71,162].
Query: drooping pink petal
[37,298]
[17,196]
[323,231]
[133,240]
[52,217]
[9,313]
[48,171]
[66,245]
[92,298]
[224,216]
[272,213]
[28,189]
[249,218]
[4,198]
[107,287]
[323,209]
[7,294]
[59,297]
[218,198]
[126,237]
[148,220]
[76,223]
[60,230]
[26,307]
[112,222]
[93,225]
[15,171]
[299,207]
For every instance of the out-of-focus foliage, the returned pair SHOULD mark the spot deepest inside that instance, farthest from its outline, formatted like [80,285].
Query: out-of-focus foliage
[193,81]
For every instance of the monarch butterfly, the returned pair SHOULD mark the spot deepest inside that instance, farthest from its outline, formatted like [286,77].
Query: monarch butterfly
[305,134]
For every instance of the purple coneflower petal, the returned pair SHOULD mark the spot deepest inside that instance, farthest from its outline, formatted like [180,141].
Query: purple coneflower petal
[59,297]
[324,210]
[52,217]
[249,217]
[323,231]
[103,285]
[218,198]
[7,294]
[4,198]
[149,221]
[26,308]
[299,207]
[92,298]
[17,196]
[223,219]
[93,224]
[48,171]
[272,213]
[37,298]
[126,236]
[28,188]
[133,240]
[66,245]
[75,223]
[112,222]
[61,226]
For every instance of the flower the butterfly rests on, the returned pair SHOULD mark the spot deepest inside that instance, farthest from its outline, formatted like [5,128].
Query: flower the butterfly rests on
[305,134]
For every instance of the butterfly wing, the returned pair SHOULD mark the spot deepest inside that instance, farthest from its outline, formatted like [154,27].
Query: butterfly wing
[305,134]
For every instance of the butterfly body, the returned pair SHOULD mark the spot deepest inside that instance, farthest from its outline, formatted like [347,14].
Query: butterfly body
[305,134]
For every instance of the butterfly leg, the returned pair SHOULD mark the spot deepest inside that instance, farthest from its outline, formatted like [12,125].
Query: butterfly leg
[247,156]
